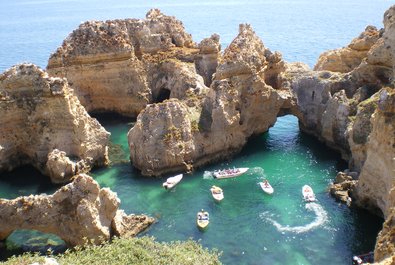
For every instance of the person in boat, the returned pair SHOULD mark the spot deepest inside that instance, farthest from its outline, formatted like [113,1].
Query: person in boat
[266,183]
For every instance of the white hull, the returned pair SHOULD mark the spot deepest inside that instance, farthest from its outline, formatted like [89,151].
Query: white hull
[231,173]
[266,187]
[308,194]
[171,182]
[217,193]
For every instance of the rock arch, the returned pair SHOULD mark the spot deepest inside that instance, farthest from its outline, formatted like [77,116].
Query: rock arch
[77,211]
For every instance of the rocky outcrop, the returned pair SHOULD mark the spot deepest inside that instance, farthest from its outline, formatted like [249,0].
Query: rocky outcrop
[76,212]
[376,187]
[371,134]
[43,124]
[346,59]
[207,61]
[344,185]
[179,134]
[323,103]
[123,65]
[385,245]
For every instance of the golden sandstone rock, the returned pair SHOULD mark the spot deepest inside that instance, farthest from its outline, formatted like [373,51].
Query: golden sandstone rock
[191,131]
[76,212]
[39,114]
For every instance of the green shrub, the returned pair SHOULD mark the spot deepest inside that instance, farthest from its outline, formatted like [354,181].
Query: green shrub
[143,250]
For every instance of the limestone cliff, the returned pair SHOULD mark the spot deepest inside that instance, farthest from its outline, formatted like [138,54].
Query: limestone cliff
[358,108]
[123,65]
[76,211]
[43,124]
[346,102]
[376,186]
[346,59]
[203,127]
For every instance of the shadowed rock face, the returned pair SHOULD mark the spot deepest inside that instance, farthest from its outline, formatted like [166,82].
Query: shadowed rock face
[43,124]
[123,65]
[76,211]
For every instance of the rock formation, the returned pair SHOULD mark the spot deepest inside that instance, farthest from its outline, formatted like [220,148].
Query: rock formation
[206,105]
[123,65]
[345,102]
[370,133]
[43,124]
[346,59]
[76,212]
[179,134]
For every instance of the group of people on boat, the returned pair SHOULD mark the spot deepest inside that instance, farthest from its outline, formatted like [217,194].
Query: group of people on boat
[228,171]
[202,215]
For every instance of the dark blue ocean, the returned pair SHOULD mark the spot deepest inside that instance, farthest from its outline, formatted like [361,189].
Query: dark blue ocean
[249,227]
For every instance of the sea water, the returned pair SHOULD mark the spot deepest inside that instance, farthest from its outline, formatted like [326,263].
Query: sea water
[248,226]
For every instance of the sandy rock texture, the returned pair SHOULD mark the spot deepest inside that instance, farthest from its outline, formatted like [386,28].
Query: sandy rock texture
[123,65]
[44,124]
[76,211]
[366,105]
[182,133]
[346,59]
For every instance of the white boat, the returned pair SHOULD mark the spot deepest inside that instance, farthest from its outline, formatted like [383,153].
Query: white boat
[266,187]
[217,193]
[171,182]
[202,219]
[229,173]
[308,194]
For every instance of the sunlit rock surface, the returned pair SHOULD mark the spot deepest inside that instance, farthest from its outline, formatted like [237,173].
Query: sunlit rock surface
[180,134]
[39,114]
[76,212]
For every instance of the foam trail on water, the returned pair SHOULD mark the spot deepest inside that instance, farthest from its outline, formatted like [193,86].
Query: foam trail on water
[208,175]
[257,171]
[321,218]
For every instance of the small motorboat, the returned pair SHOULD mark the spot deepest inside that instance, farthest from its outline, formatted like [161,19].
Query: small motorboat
[217,193]
[203,219]
[171,182]
[229,173]
[266,187]
[308,194]
[363,259]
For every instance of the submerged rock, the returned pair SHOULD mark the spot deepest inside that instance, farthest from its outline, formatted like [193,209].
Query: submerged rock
[76,212]
[44,124]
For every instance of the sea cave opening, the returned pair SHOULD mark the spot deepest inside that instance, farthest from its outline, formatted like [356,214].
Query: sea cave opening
[163,94]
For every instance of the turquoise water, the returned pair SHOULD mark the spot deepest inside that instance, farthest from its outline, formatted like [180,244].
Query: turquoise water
[249,226]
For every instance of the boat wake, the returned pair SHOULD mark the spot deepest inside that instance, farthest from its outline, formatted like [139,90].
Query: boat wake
[208,175]
[256,171]
[321,218]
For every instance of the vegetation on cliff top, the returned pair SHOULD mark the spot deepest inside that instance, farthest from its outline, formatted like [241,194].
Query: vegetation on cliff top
[143,250]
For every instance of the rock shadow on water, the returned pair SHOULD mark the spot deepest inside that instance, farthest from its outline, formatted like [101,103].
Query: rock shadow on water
[23,181]
[21,241]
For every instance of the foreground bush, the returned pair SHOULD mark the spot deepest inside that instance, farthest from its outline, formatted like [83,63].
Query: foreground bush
[143,250]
